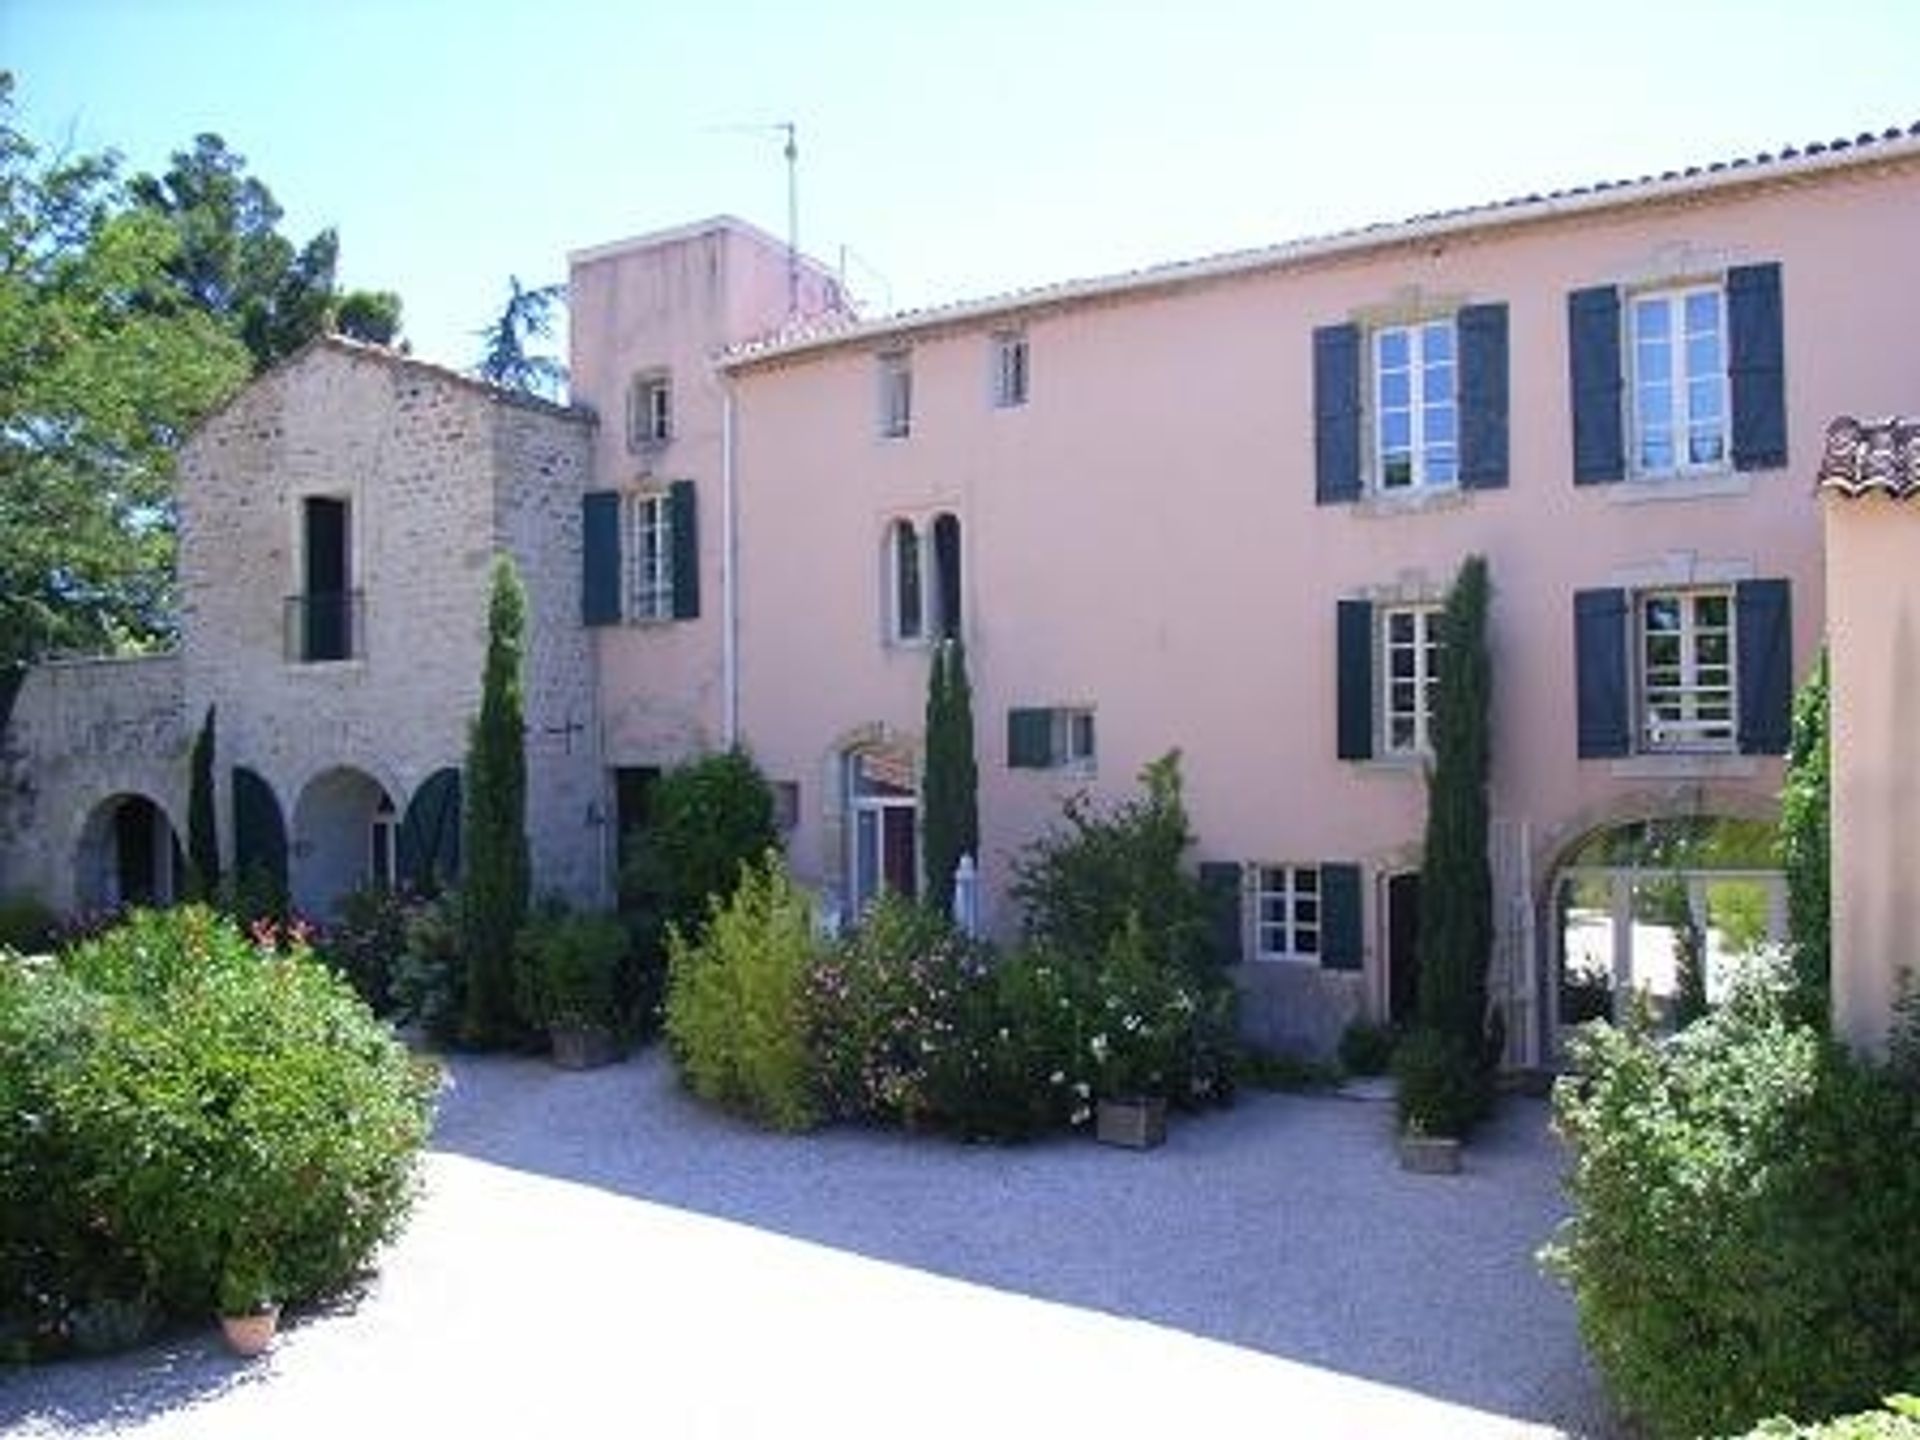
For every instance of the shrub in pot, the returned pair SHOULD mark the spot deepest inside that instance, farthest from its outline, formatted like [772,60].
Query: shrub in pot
[570,968]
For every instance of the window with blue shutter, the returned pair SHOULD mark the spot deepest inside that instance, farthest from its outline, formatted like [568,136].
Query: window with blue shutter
[1353,697]
[1336,414]
[259,834]
[1483,396]
[1593,359]
[1605,722]
[686,550]
[1763,621]
[600,557]
[1341,939]
[1756,367]
[1220,882]
[1029,739]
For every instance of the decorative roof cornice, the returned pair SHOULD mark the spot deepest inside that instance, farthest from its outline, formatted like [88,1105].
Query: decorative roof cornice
[1871,457]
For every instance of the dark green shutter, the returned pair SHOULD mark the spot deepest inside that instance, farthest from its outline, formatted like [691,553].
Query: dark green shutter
[600,558]
[1483,396]
[1353,697]
[1341,946]
[681,503]
[1593,361]
[429,841]
[1756,367]
[1029,739]
[259,833]
[1336,414]
[1220,882]
[1763,639]
[1600,673]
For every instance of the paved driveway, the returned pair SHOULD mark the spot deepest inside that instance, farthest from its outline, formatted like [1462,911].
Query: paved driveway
[596,1249]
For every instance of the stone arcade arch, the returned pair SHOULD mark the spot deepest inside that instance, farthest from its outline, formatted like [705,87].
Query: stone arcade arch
[129,854]
[337,828]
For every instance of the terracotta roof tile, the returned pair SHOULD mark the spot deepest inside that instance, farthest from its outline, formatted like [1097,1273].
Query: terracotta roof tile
[1872,457]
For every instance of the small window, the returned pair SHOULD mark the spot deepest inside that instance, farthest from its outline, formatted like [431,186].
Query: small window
[1687,670]
[786,805]
[1416,418]
[649,412]
[922,567]
[1287,918]
[1410,667]
[650,577]
[1679,358]
[896,395]
[1010,369]
[1059,738]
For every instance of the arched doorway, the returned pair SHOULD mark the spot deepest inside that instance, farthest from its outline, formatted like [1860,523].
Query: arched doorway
[1640,907]
[883,825]
[343,839]
[129,855]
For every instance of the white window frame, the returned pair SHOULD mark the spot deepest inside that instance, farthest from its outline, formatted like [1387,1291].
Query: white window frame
[1678,419]
[1673,696]
[1010,369]
[1408,730]
[1293,930]
[1433,462]
[650,411]
[1075,742]
[895,375]
[878,813]
[648,591]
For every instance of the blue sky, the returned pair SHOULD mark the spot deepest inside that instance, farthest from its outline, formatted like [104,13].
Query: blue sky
[955,150]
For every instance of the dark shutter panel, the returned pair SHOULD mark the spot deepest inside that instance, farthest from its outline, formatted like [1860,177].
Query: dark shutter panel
[1763,637]
[1340,932]
[1593,361]
[429,841]
[1029,739]
[259,837]
[1483,396]
[1600,673]
[1220,880]
[681,500]
[1336,414]
[1756,367]
[1354,680]
[600,558]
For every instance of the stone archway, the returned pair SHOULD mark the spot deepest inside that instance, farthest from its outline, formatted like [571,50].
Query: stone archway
[341,822]
[129,854]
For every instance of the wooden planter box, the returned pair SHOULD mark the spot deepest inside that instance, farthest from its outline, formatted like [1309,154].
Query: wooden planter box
[1430,1154]
[583,1048]
[1135,1124]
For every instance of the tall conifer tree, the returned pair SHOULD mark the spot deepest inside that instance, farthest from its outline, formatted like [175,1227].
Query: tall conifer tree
[950,783]
[203,839]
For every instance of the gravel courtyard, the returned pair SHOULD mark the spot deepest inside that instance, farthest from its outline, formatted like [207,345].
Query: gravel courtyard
[598,1250]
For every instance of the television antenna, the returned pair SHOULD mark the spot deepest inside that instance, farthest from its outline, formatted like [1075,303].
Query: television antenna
[791,152]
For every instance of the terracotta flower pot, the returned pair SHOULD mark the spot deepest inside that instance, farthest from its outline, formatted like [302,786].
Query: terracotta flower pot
[1136,1124]
[250,1335]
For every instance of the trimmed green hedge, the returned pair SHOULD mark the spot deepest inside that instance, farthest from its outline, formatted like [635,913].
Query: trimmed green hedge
[179,1103]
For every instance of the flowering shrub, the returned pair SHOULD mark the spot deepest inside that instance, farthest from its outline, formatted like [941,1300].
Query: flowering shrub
[176,1099]
[364,945]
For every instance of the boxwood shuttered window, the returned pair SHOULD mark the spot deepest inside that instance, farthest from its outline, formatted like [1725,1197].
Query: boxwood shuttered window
[604,597]
[1755,364]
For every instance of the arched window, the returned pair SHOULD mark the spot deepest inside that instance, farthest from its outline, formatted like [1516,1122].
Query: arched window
[908,601]
[923,599]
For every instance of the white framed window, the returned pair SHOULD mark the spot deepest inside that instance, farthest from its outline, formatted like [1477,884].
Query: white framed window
[1686,670]
[1286,912]
[650,556]
[1416,406]
[896,394]
[649,411]
[1410,671]
[1009,369]
[1678,344]
[907,601]
[883,835]
[1060,737]
[1073,738]
[921,564]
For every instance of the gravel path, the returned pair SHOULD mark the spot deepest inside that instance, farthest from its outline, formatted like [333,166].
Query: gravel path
[597,1249]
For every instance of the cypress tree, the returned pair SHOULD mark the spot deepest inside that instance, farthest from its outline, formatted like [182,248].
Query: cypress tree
[1456,880]
[950,782]
[1805,845]
[203,839]
[493,900]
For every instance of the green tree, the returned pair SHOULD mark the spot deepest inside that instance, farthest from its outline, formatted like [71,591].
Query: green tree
[709,818]
[372,316]
[505,358]
[1805,845]
[493,899]
[203,838]
[950,783]
[1456,881]
[105,362]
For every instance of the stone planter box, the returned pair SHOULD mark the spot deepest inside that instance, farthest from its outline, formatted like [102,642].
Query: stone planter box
[1430,1154]
[1134,1124]
[584,1048]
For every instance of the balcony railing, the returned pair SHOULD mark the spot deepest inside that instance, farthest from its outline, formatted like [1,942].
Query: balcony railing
[322,627]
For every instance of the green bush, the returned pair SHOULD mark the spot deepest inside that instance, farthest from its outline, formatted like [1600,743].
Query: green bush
[1442,1085]
[1899,1420]
[178,1101]
[26,925]
[1743,1240]
[710,818]
[428,986]
[736,1000]
[570,968]
[1366,1048]
[364,945]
